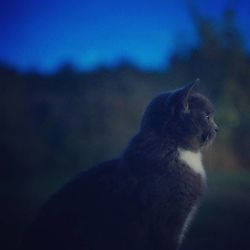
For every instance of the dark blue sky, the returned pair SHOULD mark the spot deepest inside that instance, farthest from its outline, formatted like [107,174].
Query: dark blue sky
[43,34]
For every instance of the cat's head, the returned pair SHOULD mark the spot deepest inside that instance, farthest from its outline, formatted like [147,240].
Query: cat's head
[183,115]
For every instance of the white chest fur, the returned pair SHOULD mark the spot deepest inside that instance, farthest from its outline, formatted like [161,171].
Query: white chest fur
[193,160]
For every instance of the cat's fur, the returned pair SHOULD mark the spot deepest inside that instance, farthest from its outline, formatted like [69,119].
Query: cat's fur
[143,200]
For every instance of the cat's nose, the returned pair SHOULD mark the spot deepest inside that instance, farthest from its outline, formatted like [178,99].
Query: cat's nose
[216,127]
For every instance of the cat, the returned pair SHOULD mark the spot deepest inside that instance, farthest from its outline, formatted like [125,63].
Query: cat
[143,200]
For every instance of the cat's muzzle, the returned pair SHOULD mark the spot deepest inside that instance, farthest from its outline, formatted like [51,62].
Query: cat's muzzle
[208,137]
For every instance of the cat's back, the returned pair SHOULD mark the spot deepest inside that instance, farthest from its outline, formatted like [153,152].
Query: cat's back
[82,189]
[69,213]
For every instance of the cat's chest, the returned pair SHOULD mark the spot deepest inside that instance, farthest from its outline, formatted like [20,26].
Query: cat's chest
[193,160]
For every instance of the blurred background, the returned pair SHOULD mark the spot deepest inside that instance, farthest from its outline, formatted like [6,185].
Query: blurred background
[75,77]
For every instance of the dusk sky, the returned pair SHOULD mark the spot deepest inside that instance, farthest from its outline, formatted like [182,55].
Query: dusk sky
[44,34]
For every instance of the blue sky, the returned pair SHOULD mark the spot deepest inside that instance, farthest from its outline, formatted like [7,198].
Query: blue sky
[44,34]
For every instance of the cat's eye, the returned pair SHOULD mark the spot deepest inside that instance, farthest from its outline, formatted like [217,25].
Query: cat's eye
[207,116]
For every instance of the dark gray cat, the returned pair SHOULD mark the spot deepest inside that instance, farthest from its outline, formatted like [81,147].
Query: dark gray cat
[143,200]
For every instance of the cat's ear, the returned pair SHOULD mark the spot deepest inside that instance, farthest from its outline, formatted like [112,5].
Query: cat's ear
[183,94]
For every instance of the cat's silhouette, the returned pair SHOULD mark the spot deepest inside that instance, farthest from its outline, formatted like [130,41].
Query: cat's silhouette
[143,200]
